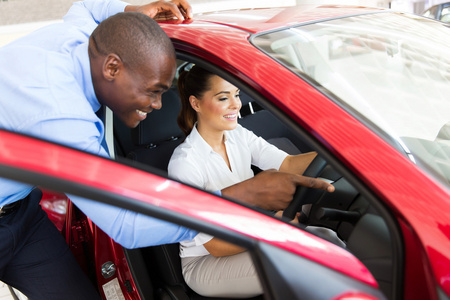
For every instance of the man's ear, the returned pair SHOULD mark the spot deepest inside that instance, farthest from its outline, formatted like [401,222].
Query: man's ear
[194,103]
[112,66]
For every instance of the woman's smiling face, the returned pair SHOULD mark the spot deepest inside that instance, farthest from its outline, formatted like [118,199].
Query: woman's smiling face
[218,108]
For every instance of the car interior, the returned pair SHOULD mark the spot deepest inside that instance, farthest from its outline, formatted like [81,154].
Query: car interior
[362,224]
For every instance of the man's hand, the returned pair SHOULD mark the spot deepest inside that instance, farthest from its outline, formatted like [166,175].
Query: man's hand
[164,10]
[272,190]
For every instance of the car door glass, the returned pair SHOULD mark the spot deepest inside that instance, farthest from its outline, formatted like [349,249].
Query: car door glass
[445,14]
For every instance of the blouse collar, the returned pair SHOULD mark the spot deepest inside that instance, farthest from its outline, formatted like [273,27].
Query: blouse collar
[201,145]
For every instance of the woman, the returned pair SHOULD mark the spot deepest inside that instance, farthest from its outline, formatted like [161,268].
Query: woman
[217,153]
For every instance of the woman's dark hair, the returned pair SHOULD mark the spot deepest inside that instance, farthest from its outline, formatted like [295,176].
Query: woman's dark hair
[194,82]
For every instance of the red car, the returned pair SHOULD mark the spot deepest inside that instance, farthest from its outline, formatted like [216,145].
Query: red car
[366,88]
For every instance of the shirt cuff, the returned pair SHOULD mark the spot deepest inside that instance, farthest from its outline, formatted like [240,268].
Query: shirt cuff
[117,7]
[202,238]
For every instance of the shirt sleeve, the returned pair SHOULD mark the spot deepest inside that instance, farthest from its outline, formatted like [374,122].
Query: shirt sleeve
[186,171]
[202,238]
[264,155]
[130,229]
[93,10]
[74,132]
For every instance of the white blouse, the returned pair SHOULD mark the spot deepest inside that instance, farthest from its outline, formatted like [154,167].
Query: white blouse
[194,162]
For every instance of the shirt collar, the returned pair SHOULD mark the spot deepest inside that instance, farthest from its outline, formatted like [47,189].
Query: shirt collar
[201,145]
[228,137]
[84,78]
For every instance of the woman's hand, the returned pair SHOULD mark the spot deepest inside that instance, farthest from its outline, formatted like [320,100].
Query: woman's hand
[164,10]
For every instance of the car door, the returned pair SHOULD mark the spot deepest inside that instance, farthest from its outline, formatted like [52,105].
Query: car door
[281,259]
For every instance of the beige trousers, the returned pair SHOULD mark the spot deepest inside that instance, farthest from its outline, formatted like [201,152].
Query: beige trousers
[231,276]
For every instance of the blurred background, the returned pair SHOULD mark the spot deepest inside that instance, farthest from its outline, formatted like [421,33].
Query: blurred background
[18,17]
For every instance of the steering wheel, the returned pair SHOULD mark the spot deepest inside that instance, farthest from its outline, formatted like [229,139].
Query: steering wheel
[304,195]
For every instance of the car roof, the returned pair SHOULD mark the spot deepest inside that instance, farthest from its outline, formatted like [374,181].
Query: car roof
[266,19]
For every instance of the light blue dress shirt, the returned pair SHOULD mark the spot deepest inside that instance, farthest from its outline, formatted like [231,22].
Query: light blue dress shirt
[46,91]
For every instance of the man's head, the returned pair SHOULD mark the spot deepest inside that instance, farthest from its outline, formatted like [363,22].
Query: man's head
[132,64]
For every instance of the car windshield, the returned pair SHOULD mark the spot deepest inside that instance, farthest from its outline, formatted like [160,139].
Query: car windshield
[391,70]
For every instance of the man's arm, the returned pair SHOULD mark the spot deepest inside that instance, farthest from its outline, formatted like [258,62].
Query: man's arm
[272,190]
[130,229]
[93,10]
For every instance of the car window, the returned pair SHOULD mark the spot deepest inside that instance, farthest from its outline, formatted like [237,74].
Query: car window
[387,77]
[445,14]
[430,13]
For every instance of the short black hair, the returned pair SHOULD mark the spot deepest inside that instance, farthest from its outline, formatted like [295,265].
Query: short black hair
[133,36]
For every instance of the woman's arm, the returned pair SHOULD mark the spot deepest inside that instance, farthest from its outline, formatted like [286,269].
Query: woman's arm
[297,164]
[217,247]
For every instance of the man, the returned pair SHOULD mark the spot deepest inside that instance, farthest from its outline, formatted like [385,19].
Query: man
[52,83]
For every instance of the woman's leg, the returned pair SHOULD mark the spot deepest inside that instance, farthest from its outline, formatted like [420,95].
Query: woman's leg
[229,276]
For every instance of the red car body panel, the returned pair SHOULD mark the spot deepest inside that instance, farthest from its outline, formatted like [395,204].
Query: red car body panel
[56,207]
[391,176]
[354,296]
[101,248]
[110,251]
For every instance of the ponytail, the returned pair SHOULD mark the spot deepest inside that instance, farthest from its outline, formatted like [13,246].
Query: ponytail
[194,82]
[187,117]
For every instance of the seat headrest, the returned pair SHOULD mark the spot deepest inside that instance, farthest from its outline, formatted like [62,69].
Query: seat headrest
[160,125]
[444,132]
